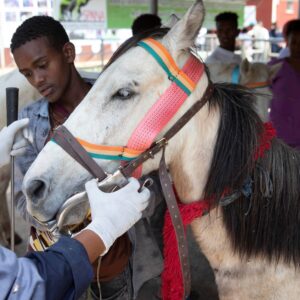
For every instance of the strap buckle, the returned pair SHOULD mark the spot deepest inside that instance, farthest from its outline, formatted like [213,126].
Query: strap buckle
[162,142]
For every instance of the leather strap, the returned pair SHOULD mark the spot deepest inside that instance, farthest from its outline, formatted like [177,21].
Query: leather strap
[64,138]
[182,247]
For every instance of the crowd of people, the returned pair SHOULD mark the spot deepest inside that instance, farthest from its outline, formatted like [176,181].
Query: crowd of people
[45,56]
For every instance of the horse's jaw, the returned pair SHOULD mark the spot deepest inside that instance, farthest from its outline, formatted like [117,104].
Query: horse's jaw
[190,166]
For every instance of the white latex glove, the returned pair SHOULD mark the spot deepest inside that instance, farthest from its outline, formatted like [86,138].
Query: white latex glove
[115,213]
[12,140]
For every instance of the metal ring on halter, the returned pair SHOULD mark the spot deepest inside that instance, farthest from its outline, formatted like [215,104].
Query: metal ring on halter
[146,184]
[110,184]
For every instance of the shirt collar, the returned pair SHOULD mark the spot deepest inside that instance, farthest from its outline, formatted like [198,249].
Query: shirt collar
[42,109]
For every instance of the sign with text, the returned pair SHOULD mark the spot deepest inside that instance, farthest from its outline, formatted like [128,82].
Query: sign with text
[81,14]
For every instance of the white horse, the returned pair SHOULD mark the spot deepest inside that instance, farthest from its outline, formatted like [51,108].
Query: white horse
[26,94]
[256,76]
[222,154]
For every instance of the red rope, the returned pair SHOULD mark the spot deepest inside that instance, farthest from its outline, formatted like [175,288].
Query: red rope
[172,287]
[265,140]
[172,281]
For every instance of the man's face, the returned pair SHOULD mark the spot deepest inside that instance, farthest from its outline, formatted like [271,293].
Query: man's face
[227,33]
[294,44]
[46,68]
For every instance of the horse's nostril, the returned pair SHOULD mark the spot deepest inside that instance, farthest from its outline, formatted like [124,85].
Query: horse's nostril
[37,190]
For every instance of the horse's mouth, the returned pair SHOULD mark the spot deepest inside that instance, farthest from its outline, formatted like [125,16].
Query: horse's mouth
[70,212]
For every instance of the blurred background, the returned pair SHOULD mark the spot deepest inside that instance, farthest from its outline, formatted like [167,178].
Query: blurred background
[98,27]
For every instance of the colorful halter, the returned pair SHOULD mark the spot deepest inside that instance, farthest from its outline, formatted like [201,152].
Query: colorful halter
[183,83]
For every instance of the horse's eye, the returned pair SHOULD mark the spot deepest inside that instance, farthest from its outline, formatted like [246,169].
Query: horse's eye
[124,94]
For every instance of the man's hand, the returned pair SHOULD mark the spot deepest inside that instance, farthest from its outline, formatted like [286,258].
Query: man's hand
[114,213]
[12,141]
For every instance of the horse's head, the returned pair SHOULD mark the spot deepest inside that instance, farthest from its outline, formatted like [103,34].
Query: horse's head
[255,76]
[121,97]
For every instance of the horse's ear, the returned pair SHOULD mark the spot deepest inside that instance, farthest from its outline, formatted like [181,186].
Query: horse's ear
[182,35]
[245,66]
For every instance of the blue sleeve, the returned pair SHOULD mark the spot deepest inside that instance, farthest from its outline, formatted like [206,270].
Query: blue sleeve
[62,272]
[65,269]
[19,277]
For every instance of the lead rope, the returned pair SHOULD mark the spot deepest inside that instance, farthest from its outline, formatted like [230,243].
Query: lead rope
[98,277]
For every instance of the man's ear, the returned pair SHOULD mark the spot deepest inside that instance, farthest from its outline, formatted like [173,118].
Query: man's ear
[69,52]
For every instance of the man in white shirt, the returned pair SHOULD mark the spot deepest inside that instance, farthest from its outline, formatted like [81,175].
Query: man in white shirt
[262,44]
[227,31]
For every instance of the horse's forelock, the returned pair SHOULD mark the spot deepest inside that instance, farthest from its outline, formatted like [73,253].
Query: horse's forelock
[133,41]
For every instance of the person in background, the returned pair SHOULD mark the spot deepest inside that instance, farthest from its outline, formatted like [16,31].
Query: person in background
[285,104]
[285,52]
[227,31]
[274,33]
[64,270]
[245,44]
[261,44]
[145,22]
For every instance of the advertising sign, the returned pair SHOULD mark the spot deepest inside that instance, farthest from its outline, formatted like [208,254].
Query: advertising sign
[81,14]
[121,13]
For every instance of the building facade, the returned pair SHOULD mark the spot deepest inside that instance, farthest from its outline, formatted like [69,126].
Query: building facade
[279,11]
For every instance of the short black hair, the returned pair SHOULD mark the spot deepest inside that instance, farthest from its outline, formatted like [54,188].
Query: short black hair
[40,26]
[227,16]
[145,22]
[292,26]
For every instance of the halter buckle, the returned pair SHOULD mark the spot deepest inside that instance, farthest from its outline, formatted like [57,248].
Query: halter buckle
[162,142]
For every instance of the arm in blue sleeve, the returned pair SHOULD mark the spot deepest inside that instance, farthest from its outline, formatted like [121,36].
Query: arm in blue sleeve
[62,272]
[65,269]
[19,277]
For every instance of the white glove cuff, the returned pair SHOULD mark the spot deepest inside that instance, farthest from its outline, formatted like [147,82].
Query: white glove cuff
[104,235]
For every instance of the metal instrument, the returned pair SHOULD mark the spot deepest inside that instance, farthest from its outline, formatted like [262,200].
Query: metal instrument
[57,226]
[12,99]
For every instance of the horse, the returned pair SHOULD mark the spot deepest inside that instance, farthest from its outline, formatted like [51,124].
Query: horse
[224,157]
[26,95]
[256,76]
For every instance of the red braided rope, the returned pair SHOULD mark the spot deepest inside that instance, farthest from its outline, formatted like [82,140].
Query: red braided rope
[265,140]
[172,287]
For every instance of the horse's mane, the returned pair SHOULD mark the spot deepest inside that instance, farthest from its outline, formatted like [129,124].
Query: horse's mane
[267,223]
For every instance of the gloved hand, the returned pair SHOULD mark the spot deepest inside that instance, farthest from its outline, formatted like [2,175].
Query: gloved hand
[114,213]
[12,140]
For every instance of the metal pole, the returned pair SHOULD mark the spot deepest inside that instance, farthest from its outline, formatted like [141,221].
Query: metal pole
[12,98]
[102,53]
[154,7]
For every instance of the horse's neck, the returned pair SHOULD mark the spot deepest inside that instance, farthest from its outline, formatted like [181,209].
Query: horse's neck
[191,161]
[210,234]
